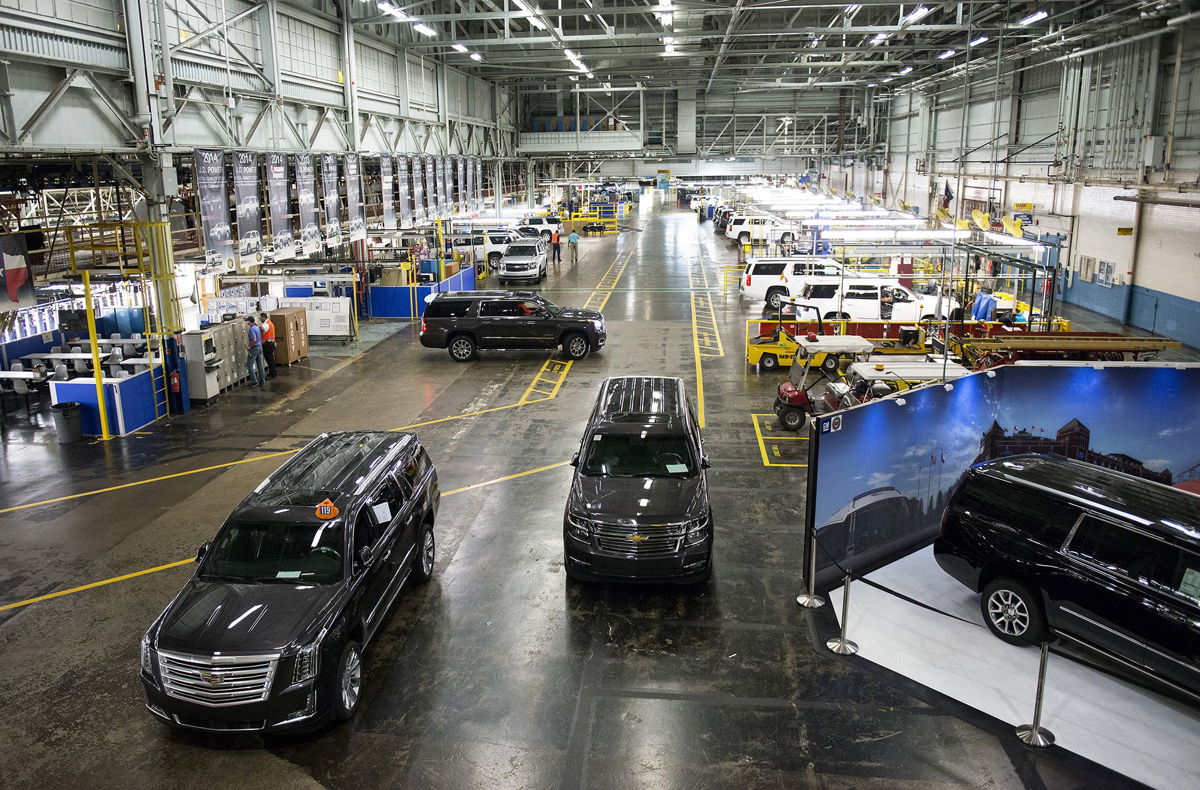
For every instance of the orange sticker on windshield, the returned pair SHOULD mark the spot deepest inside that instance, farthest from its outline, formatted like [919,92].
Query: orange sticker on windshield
[327,510]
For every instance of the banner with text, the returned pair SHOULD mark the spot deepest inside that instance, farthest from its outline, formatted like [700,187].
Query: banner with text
[354,202]
[249,212]
[332,200]
[387,193]
[403,192]
[431,189]
[213,196]
[283,241]
[306,200]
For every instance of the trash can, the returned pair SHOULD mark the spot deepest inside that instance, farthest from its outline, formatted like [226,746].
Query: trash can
[67,421]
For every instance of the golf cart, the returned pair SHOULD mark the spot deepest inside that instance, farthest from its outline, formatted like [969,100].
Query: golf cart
[871,380]
[793,399]
[777,347]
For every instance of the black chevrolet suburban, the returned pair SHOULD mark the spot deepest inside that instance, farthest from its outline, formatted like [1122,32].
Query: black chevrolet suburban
[465,321]
[269,632]
[1057,545]
[638,508]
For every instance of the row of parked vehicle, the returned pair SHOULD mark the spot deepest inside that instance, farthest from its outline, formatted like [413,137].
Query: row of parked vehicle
[269,633]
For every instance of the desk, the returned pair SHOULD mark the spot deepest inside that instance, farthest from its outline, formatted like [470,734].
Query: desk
[142,361]
[28,375]
[104,341]
[63,355]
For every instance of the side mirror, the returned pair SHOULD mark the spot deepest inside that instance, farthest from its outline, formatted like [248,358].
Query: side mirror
[200,552]
[575,459]
[705,463]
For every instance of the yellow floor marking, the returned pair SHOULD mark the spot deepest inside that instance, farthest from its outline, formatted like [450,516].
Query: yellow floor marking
[547,382]
[699,370]
[277,406]
[190,560]
[762,443]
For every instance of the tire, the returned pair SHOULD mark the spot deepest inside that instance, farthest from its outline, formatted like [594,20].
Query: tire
[462,348]
[831,363]
[774,296]
[785,238]
[426,555]
[1013,612]
[791,419]
[493,259]
[575,346]
[929,317]
[347,689]
[744,238]
[831,316]
[768,362]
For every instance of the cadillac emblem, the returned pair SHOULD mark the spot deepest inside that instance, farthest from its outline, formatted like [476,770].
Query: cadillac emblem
[638,538]
[211,678]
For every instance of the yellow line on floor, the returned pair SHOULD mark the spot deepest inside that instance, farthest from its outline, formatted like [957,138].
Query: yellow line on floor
[190,560]
[762,444]
[699,370]
[277,406]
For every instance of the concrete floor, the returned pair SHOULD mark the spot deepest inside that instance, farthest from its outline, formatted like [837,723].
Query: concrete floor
[498,674]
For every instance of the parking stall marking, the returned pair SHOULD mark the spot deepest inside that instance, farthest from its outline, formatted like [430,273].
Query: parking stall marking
[777,447]
[547,382]
[708,336]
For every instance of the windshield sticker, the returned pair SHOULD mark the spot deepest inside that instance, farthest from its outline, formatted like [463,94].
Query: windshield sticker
[327,510]
[677,469]
[287,575]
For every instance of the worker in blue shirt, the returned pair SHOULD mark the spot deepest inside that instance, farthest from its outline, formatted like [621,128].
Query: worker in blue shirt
[254,354]
[573,246]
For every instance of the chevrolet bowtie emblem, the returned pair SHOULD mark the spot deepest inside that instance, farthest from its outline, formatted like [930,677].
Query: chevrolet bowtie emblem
[211,678]
[638,538]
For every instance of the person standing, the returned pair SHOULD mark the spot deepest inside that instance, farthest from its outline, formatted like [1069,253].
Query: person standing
[268,342]
[254,354]
[573,246]
[556,245]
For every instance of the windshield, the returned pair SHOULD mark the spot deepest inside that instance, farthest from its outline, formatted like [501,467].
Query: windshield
[283,552]
[551,306]
[638,455]
[521,251]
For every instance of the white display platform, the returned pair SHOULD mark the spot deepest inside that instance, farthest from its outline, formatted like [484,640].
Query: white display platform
[1130,729]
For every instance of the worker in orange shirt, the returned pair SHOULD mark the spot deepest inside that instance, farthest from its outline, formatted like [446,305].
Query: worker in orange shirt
[268,342]
[556,245]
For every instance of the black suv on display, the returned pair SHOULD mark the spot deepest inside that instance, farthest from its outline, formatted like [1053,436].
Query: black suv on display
[638,508]
[268,634]
[1056,545]
[465,321]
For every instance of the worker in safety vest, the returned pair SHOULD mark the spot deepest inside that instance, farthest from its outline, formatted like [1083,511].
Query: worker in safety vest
[556,245]
[268,343]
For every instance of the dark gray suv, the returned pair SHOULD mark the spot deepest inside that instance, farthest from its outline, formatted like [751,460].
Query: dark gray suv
[465,321]
[638,508]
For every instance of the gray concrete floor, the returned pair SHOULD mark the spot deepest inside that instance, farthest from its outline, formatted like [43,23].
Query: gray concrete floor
[498,674]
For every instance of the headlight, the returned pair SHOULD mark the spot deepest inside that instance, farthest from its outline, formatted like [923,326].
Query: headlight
[147,656]
[598,323]
[308,661]
[579,528]
[697,531]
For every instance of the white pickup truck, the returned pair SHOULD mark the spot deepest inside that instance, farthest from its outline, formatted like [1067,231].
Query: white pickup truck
[874,299]
[773,279]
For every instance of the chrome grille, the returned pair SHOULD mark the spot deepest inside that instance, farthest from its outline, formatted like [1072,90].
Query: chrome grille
[656,540]
[217,681]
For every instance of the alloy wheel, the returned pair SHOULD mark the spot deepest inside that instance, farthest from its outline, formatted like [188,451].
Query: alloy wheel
[461,349]
[351,680]
[578,347]
[428,549]
[1008,612]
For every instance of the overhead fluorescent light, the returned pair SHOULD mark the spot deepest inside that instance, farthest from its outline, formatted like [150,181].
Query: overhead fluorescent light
[916,15]
[879,38]
[905,70]
[476,56]
[570,55]
[458,47]
[888,79]
[669,49]
[392,10]
[591,76]
[947,54]
[425,29]
[976,42]
[872,84]
[1036,16]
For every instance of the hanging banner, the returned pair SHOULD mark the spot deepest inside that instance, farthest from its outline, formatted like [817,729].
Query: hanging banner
[431,189]
[213,197]
[283,242]
[387,195]
[469,186]
[439,173]
[306,200]
[331,200]
[354,201]
[417,171]
[402,190]
[249,212]
[460,185]
[479,185]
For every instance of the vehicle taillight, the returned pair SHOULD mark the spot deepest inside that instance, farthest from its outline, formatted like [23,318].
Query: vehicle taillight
[747,280]
[423,328]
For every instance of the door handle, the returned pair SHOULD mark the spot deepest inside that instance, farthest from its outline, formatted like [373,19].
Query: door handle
[386,555]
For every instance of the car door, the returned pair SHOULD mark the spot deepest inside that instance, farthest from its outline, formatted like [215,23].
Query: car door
[372,570]
[386,508]
[861,302]
[538,325]
[400,484]
[1102,598]
[499,324]
[1172,626]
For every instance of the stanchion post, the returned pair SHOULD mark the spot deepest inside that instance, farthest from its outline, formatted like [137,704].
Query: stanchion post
[1035,734]
[810,599]
[843,646]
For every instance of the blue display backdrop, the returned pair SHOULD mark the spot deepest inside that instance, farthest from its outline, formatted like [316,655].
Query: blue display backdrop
[881,473]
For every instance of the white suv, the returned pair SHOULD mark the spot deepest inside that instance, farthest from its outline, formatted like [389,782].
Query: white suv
[744,228]
[490,245]
[773,279]
[544,224]
[525,259]
[874,299]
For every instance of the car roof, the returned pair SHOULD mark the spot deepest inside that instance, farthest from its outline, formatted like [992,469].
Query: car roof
[486,295]
[1165,511]
[336,466]
[640,398]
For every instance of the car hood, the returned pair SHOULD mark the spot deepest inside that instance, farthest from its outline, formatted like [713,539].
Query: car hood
[665,498]
[520,258]
[211,617]
[580,313]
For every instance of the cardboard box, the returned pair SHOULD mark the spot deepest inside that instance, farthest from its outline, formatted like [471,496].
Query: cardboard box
[291,334]
[393,277]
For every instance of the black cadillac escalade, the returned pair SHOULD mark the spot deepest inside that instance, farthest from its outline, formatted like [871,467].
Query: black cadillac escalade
[1108,559]
[465,321]
[638,508]
[269,632]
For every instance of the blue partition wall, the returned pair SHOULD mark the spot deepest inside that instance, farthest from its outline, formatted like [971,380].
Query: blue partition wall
[130,402]
[396,301]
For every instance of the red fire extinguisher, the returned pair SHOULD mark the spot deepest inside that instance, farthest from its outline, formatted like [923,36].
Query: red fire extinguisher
[174,381]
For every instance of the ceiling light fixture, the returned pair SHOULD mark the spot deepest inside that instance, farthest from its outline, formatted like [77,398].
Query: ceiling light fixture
[1036,16]
[425,29]
[476,56]
[947,54]
[531,14]
[888,79]
[458,47]
[880,37]
[976,42]
[392,10]
[916,15]
[905,70]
